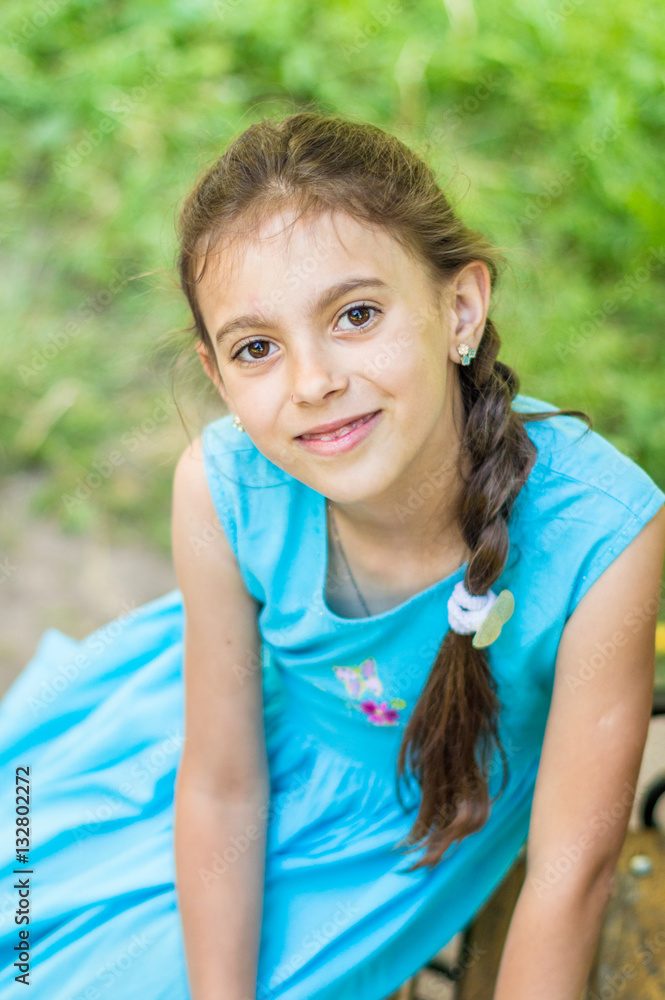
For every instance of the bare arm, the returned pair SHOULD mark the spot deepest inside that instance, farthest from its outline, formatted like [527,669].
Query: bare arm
[594,741]
[222,785]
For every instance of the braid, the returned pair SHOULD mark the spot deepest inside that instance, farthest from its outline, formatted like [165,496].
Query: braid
[499,450]
[458,708]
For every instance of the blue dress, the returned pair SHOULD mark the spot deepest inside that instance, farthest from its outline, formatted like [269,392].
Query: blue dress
[99,724]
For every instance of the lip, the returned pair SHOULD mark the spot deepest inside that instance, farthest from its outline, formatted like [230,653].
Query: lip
[334,425]
[345,442]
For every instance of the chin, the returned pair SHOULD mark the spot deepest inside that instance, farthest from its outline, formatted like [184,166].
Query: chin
[352,491]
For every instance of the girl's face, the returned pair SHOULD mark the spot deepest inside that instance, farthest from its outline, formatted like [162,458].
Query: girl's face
[331,321]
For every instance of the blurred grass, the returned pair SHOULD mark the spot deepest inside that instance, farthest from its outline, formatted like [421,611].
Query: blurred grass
[546,123]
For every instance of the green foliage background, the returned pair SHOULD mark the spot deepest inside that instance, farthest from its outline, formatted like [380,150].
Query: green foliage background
[547,122]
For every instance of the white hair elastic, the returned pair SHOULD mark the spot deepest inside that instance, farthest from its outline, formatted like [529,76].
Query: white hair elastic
[482,614]
[467,612]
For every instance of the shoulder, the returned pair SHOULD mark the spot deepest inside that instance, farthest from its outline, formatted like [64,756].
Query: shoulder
[584,501]
[582,466]
[255,500]
[194,518]
[202,554]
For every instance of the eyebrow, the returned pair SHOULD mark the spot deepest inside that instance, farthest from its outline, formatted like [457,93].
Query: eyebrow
[326,298]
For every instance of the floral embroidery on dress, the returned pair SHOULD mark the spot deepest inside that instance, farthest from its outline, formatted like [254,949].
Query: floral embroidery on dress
[363,680]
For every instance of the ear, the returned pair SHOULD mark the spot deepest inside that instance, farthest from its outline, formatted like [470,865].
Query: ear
[211,370]
[470,296]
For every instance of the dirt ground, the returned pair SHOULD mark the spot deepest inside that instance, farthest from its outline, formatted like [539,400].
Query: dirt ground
[76,584]
[72,583]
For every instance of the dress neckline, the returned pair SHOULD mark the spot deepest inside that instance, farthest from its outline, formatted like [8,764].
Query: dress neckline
[323,576]
[458,574]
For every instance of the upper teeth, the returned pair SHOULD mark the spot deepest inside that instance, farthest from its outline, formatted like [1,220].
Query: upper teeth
[340,430]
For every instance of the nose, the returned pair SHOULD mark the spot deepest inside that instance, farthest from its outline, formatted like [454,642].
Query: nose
[314,376]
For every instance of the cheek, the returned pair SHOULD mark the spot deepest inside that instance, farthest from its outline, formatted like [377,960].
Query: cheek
[411,377]
[257,395]
[391,356]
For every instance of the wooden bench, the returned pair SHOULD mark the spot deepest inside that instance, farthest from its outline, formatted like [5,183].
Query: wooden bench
[629,962]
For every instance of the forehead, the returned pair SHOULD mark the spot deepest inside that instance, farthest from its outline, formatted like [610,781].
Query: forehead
[300,256]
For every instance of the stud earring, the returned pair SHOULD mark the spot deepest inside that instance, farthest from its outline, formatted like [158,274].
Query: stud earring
[466,353]
[237,423]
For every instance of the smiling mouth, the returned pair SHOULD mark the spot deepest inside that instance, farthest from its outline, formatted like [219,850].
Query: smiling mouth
[341,431]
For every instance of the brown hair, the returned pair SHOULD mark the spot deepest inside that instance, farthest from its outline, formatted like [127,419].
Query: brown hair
[330,162]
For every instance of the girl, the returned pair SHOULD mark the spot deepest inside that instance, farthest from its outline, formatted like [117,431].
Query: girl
[414,628]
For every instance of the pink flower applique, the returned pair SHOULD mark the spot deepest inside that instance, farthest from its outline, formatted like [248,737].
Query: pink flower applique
[362,681]
[379,715]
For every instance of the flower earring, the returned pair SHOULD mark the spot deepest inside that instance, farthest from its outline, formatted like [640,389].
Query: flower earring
[466,353]
[237,423]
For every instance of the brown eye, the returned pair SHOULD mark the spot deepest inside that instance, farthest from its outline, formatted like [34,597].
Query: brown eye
[358,315]
[358,311]
[254,347]
[251,346]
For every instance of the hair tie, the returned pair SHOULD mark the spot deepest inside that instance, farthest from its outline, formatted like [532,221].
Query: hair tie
[483,614]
